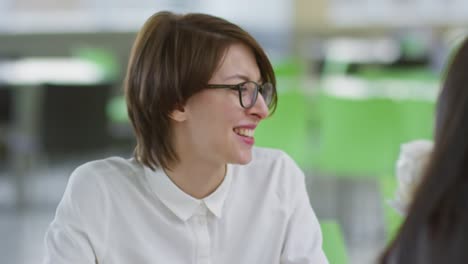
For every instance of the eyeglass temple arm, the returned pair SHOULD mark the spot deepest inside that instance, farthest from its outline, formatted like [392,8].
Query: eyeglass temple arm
[216,86]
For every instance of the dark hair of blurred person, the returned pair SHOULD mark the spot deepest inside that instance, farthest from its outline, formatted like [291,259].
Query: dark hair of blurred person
[435,230]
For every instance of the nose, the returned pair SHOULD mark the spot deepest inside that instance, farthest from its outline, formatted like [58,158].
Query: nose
[259,109]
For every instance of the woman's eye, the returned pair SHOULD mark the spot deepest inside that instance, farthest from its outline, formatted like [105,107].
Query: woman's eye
[243,87]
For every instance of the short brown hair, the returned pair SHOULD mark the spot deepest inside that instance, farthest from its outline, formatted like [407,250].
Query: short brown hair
[174,57]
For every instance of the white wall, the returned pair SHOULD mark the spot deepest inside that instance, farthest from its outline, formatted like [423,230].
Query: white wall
[128,15]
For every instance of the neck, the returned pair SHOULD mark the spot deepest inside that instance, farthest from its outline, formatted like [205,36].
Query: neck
[194,173]
[197,179]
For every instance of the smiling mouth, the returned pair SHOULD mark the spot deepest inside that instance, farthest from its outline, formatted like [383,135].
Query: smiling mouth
[244,132]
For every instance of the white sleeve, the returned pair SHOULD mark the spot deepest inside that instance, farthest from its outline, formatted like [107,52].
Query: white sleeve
[303,243]
[69,238]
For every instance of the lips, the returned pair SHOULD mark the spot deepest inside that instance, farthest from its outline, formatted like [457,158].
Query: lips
[244,132]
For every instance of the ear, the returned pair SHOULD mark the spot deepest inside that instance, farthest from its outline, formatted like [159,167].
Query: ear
[179,114]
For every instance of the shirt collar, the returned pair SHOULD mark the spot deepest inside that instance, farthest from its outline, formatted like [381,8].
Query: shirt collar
[215,201]
[182,204]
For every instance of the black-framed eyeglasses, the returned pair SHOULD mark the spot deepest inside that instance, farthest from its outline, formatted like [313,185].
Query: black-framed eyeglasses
[248,92]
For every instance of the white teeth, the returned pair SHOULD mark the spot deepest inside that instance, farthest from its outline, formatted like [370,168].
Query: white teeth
[244,132]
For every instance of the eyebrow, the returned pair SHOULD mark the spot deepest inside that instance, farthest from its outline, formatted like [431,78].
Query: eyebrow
[241,76]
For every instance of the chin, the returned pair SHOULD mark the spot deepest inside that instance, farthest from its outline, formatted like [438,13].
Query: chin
[243,158]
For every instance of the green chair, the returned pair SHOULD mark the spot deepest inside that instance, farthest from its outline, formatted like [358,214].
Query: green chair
[333,242]
[119,123]
[417,117]
[360,133]
[116,110]
[417,110]
[357,135]
[287,128]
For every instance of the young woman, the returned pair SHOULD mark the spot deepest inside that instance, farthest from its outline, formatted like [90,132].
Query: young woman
[197,190]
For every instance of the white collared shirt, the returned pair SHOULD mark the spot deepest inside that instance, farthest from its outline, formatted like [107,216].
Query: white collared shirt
[118,211]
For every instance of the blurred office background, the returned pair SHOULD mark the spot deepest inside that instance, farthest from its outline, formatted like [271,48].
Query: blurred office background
[355,80]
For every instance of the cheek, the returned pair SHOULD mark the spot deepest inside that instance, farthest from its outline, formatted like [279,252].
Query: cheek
[216,115]
[217,127]
[225,111]
[209,123]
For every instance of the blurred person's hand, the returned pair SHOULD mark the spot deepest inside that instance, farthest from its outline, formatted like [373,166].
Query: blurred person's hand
[410,166]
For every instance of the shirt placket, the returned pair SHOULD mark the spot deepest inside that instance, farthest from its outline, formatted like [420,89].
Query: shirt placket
[202,237]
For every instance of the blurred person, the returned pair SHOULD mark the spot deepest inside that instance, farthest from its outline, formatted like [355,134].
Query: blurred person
[196,191]
[435,229]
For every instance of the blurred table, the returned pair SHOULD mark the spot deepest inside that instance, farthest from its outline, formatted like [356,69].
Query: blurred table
[25,78]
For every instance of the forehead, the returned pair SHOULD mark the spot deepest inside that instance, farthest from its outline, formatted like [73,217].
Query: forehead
[237,63]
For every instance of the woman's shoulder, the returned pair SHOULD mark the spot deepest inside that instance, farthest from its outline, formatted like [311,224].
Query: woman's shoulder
[272,165]
[104,172]
[263,154]
[271,171]
[110,163]
[267,157]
